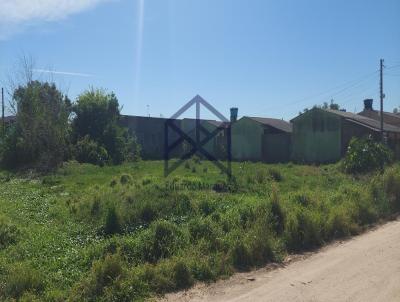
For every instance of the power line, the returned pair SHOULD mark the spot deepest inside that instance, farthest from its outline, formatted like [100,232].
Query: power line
[347,85]
[393,66]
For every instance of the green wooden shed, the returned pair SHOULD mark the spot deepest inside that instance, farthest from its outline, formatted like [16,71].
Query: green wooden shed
[323,135]
[261,139]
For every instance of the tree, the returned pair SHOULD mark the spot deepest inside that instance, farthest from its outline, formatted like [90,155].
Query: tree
[333,105]
[39,138]
[97,116]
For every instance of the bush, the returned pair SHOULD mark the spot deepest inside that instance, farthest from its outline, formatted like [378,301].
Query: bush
[260,247]
[104,273]
[161,241]
[339,223]
[8,233]
[98,119]
[39,137]
[113,223]
[261,176]
[365,154]
[125,179]
[241,256]
[275,174]
[304,229]
[182,276]
[391,183]
[277,214]
[148,212]
[88,151]
[23,279]
[202,271]
[200,228]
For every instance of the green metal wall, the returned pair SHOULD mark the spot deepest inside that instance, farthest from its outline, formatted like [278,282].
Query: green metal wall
[276,147]
[316,137]
[246,140]
[189,128]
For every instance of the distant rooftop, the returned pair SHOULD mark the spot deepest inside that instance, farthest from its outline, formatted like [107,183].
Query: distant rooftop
[273,122]
[363,120]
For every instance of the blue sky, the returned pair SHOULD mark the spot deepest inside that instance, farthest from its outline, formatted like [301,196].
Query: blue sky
[269,58]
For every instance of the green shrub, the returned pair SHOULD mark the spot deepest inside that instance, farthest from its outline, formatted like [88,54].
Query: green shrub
[104,273]
[275,174]
[159,278]
[23,279]
[89,151]
[39,136]
[148,212]
[247,216]
[200,228]
[96,207]
[202,271]
[365,154]
[302,199]
[112,223]
[261,176]
[182,275]
[260,245]
[97,117]
[207,207]
[304,229]
[162,241]
[241,256]
[339,223]
[391,184]
[278,216]
[125,179]
[9,233]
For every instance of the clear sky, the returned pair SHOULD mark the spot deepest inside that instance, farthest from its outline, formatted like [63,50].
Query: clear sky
[269,58]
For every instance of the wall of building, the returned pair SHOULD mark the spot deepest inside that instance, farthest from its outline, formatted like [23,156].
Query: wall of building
[351,130]
[316,137]
[150,135]
[246,140]
[276,147]
[189,127]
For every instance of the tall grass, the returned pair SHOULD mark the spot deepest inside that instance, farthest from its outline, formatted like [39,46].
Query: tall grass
[132,234]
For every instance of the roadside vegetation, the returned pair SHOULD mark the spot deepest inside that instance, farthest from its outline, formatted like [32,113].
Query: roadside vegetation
[124,233]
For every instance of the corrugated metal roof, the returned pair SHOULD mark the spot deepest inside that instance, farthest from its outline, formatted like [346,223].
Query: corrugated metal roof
[363,120]
[273,122]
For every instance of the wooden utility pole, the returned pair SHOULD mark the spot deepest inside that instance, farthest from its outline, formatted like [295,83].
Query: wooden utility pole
[2,109]
[381,95]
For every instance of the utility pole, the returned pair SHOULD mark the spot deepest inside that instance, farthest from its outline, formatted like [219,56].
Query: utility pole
[2,109]
[381,95]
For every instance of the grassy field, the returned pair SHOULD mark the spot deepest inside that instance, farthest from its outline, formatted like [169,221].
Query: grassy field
[126,233]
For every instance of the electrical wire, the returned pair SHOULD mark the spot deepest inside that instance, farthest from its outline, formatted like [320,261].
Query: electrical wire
[347,85]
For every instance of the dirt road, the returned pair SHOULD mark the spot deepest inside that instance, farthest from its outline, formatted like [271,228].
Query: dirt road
[365,268]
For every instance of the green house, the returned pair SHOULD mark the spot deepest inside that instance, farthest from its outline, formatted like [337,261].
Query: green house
[261,139]
[323,135]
